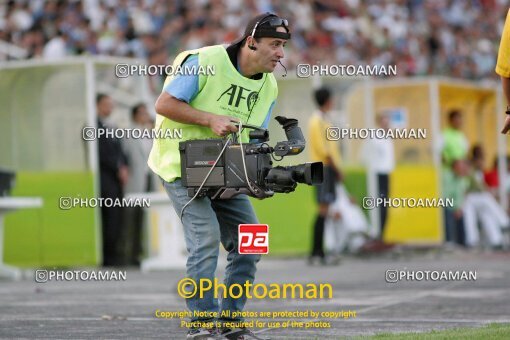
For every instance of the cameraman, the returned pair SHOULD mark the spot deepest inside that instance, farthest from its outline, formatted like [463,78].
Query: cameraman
[206,106]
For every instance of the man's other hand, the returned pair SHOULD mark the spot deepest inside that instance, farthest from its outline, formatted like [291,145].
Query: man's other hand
[222,125]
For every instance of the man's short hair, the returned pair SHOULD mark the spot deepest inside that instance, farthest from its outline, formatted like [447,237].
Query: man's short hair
[322,95]
[134,110]
[477,152]
[100,97]
[381,115]
[454,114]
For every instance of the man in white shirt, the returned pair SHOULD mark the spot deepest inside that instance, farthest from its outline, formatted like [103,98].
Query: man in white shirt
[56,47]
[379,156]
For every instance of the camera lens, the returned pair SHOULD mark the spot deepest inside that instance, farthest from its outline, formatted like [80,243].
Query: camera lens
[308,173]
[285,179]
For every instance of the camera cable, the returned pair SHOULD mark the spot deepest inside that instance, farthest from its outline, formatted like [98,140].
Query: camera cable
[243,156]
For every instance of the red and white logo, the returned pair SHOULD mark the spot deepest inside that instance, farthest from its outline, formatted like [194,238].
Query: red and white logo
[253,239]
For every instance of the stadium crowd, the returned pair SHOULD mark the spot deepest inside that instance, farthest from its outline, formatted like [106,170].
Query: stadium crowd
[456,38]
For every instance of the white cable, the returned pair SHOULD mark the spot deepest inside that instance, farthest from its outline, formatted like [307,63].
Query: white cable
[243,156]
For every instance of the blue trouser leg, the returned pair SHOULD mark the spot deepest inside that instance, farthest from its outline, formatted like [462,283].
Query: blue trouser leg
[205,224]
[240,267]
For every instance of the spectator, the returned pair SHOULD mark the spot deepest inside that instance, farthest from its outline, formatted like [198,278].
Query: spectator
[454,142]
[491,178]
[421,37]
[480,205]
[454,187]
[113,177]
[379,156]
[140,181]
[56,48]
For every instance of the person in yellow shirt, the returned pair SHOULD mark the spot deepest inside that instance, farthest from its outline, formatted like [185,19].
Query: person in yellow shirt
[503,68]
[325,151]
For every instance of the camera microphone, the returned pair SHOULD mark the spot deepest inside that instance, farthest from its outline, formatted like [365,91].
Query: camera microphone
[283,75]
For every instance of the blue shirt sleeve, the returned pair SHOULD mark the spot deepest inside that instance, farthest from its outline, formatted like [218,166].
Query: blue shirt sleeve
[268,117]
[185,87]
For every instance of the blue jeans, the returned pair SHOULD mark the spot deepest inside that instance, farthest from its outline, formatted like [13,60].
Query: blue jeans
[206,222]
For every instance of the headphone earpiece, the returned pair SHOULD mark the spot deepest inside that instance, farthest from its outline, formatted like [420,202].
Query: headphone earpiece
[251,47]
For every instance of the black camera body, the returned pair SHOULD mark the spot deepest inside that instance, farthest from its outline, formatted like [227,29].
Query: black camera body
[254,175]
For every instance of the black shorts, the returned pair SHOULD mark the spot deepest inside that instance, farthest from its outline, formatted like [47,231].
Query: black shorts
[326,192]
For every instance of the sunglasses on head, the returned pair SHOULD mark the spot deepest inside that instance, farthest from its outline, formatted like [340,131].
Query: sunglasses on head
[273,21]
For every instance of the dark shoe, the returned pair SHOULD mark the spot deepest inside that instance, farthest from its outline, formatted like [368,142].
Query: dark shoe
[332,260]
[497,248]
[202,334]
[239,334]
[316,259]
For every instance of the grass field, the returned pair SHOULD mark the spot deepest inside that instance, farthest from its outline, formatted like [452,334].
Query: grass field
[493,331]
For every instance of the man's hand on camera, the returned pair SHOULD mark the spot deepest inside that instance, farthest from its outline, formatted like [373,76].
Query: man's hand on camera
[222,125]
[506,125]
